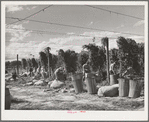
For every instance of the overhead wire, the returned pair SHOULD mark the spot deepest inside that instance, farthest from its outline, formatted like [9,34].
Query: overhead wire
[47,32]
[39,31]
[114,12]
[76,26]
[30,15]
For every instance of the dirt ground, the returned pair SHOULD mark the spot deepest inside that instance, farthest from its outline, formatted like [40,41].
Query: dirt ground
[36,98]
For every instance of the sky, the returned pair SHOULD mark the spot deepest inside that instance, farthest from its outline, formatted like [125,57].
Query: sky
[21,38]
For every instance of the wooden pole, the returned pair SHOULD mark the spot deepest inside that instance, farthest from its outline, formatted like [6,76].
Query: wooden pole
[121,64]
[107,57]
[49,70]
[17,65]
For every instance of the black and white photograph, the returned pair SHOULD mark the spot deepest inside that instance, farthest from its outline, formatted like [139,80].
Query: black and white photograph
[65,60]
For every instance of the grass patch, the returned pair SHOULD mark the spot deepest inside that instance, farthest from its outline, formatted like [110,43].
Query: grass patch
[128,104]
[78,106]
[15,100]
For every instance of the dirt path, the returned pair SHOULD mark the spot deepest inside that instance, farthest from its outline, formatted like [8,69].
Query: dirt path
[34,98]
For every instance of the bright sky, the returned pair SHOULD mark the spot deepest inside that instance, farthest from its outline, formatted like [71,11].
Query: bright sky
[24,43]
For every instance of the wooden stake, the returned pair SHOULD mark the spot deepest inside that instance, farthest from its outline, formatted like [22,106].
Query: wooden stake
[107,57]
[17,65]
[49,69]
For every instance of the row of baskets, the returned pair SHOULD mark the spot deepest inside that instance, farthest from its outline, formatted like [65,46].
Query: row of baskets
[127,87]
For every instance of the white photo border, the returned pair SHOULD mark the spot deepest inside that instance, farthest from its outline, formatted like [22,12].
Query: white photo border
[63,115]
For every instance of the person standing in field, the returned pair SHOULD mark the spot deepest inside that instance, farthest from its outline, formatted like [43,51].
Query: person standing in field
[38,74]
[38,70]
[43,72]
[14,75]
[112,67]
[58,72]
[31,71]
[86,69]
[128,71]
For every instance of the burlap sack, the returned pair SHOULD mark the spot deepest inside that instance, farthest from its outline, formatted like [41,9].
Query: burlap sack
[39,83]
[108,91]
[56,84]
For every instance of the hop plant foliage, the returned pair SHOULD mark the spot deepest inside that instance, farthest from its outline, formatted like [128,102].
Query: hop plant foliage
[104,41]
[43,59]
[69,58]
[96,56]
[24,63]
[129,51]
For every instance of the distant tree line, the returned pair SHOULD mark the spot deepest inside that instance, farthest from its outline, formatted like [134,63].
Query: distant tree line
[12,63]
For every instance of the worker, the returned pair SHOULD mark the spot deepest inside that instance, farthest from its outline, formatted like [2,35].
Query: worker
[86,69]
[38,70]
[112,67]
[31,71]
[38,74]
[128,71]
[43,72]
[60,74]
[14,75]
